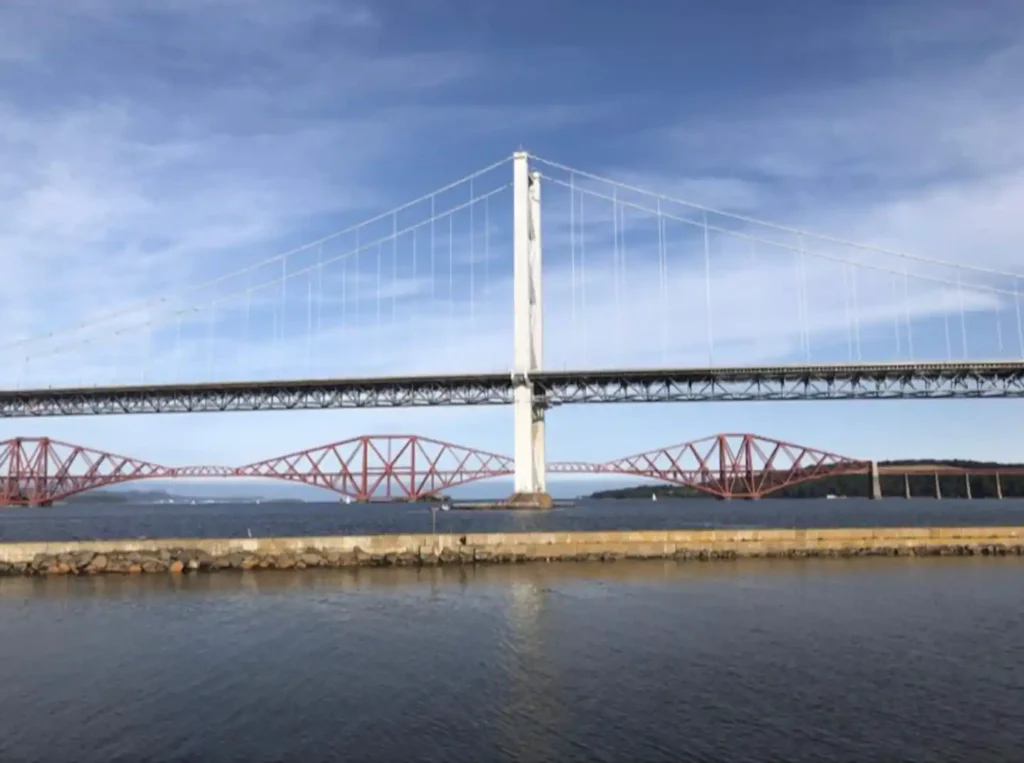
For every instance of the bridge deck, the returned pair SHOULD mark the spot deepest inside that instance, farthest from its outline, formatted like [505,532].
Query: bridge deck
[841,381]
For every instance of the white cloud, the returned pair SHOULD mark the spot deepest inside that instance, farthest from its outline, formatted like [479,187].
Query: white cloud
[933,163]
[182,173]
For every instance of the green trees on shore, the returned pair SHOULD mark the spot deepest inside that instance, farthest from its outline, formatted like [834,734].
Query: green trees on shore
[922,485]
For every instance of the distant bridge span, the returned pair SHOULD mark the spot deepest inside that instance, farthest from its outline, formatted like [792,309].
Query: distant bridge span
[39,471]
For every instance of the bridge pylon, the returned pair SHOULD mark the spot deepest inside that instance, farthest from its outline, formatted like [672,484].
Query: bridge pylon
[530,470]
[876,480]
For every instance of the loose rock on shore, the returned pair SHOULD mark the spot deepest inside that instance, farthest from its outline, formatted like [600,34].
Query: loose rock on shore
[183,561]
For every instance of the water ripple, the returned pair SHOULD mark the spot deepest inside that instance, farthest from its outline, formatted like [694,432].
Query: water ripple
[816,660]
[95,521]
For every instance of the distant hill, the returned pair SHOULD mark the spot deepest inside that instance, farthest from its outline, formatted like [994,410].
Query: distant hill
[858,485]
[121,495]
[110,495]
[183,491]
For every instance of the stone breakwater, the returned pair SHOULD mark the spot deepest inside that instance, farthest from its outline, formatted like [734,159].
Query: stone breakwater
[176,556]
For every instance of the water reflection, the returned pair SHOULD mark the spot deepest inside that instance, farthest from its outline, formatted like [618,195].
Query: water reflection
[880,659]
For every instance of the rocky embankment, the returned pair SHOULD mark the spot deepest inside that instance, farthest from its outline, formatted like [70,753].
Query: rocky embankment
[180,561]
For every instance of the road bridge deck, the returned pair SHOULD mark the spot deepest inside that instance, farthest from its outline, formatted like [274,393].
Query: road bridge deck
[841,381]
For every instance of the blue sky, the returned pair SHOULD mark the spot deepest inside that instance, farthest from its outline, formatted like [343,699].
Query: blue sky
[151,145]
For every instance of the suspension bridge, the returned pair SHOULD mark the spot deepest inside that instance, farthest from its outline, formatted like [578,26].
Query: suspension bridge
[645,297]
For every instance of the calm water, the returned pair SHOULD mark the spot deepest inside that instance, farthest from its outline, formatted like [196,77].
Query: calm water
[834,660]
[81,521]
[816,660]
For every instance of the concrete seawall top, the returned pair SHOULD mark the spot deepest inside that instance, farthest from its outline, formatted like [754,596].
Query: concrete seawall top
[536,544]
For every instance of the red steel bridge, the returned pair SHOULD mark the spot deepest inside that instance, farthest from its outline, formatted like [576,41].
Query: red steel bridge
[39,471]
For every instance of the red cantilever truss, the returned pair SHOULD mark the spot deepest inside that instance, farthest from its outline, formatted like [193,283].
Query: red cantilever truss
[39,470]
[734,465]
[384,467]
[35,471]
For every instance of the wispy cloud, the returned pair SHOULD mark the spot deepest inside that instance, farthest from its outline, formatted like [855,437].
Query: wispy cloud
[933,163]
[147,148]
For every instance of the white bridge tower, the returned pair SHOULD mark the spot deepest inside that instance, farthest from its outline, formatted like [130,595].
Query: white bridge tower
[530,464]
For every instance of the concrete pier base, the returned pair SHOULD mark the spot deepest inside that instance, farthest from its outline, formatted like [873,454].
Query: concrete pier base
[185,555]
[876,482]
[530,501]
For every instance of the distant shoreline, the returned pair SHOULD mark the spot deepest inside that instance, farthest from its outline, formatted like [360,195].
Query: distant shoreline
[922,485]
[160,498]
[845,486]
